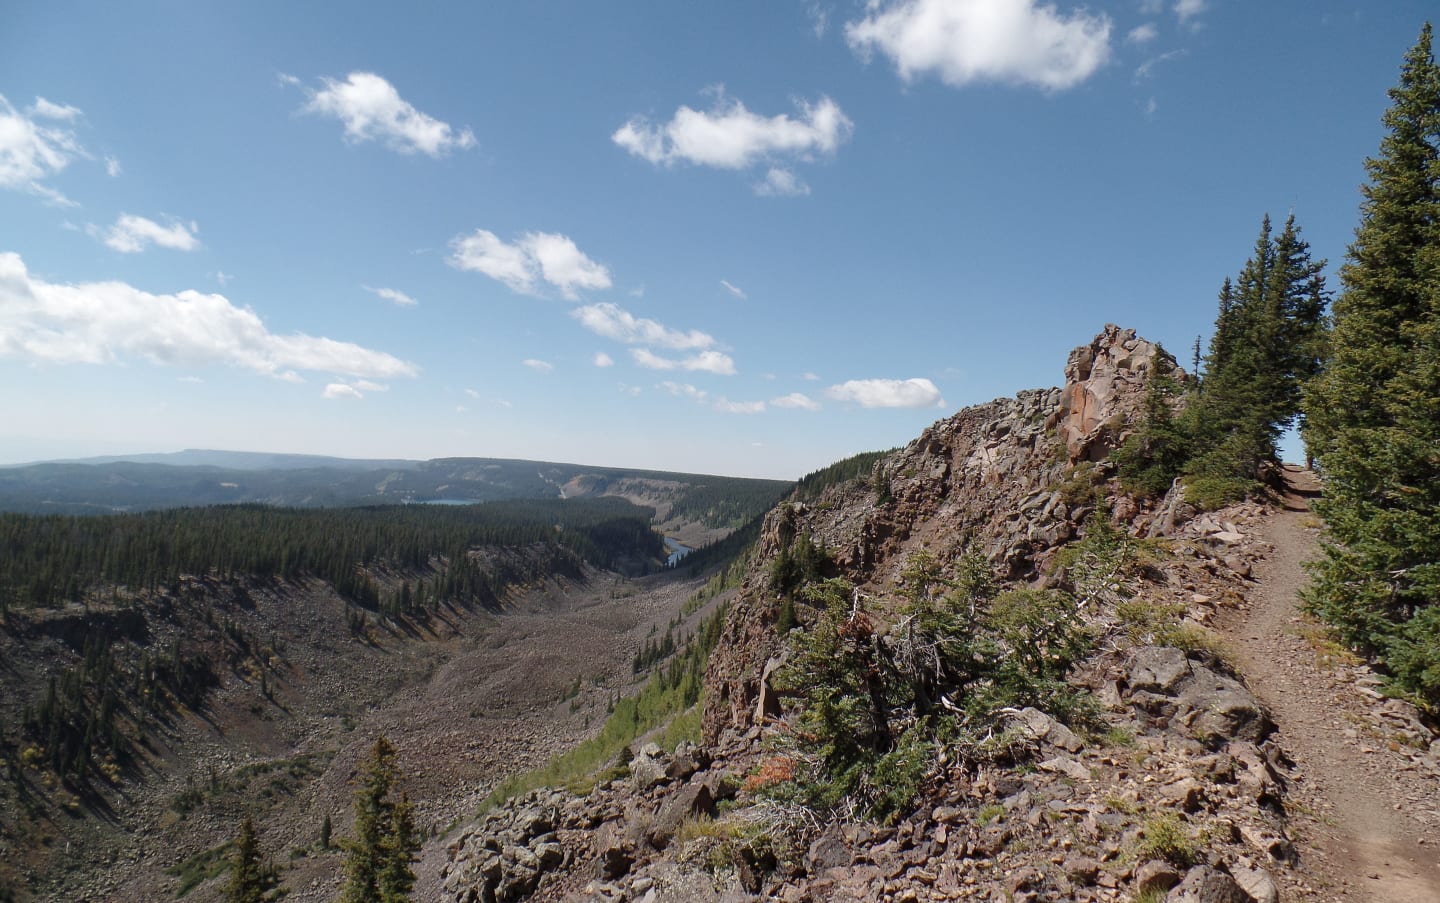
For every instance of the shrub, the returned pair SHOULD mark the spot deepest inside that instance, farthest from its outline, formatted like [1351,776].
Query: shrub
[1163,836]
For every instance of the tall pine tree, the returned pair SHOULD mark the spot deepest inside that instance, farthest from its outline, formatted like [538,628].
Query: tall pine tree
[1374,416]
[378,859]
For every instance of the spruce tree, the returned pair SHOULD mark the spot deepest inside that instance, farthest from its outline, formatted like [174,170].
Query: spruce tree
[378,858]
[250,882]
[1373,417]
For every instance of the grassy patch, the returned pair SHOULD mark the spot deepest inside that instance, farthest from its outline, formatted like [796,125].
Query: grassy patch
[201,867]
[1164,836]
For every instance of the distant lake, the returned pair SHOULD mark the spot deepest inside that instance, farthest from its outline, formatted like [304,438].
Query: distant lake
[449,502]
[677,551]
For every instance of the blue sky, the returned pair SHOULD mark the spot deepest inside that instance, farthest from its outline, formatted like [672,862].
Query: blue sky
[745,238]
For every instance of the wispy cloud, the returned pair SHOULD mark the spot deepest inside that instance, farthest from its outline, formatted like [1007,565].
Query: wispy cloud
[726,406]
[705,361]
[965,41]
[1142,34]
[335,391]
[105,322]
[35,145]
[133,234]
[888,393]
[730,136]
[684,390]
[1187,10]
[780,183]
[614,322]
[538,366]
[733,289]
[535,258]
[112,167]
[395,296]
[1146,70]
[796,400]
[372,110]
[603,360]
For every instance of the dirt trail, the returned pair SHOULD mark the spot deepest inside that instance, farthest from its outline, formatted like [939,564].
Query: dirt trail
[1368,817]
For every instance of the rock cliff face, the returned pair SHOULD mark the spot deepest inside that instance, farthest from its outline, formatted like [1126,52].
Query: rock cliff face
[1180,797]
[997,478]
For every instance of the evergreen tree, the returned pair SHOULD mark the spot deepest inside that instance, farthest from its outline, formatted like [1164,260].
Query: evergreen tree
[250,882]
[378,858]
[1269,333]
[1373,417]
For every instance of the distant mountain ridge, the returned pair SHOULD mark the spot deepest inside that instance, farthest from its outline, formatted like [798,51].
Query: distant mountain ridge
[197,477]
[236,460]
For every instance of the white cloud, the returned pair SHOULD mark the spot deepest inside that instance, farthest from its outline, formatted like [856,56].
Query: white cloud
[888,393]
[44,109]
[536,257]
[103,322]
[133,234]
[32,151]
[819,18]
[1151,106]
[614,322]
[372,110]
[473,394]
[811,377]
[1142,34]
[780,183]
[1185,10]
[393,295]
[604,360]
[684,390]
[739,407]
[340,390]
[1147,69]
[729,136]
[538,366]
[734,290]
[964,41]
[223,277]
[796,400]
[112,167]
[1151,7]
[705,361]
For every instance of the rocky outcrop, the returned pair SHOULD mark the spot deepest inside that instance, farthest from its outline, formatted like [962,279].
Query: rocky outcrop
[997,478]
[1103,385]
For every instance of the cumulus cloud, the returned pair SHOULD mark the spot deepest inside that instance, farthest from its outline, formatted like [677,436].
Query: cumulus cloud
[372,110]
[133,234]
[604,360]
[780,183]
[534,258]
[888,393]
[35,145]
[394,296]
[105,322]
[705,361]
[1142,34]
[796,400]
[538,366]
[614,322]
[965,41]
[739,407]
[112,167]
[733,289]
[729,136]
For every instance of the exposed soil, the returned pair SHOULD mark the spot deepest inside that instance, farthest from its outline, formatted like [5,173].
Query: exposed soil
[1366,808]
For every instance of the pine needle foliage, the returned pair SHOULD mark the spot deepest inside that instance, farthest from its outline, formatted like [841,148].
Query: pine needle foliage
[1374,416]
[378,858]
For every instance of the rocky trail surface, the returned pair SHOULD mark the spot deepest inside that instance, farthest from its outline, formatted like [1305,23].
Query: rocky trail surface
[1368,810]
